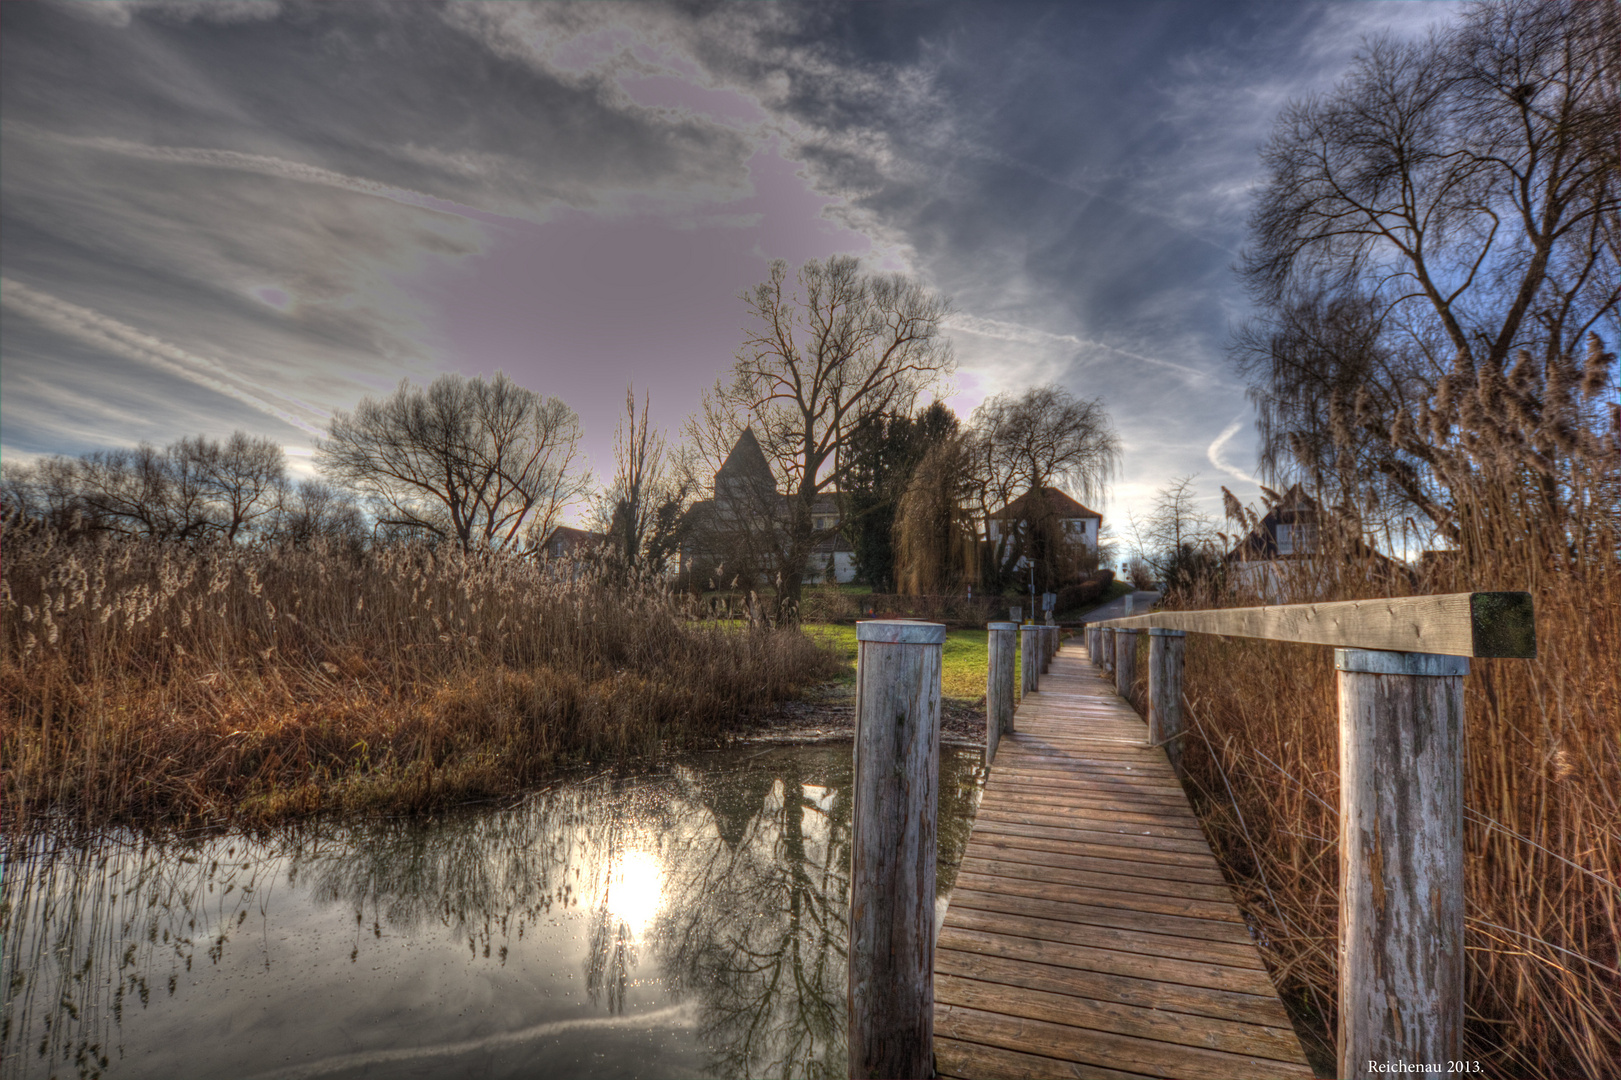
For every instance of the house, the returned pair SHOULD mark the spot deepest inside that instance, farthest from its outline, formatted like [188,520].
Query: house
[1280,558]
[565,542]
[740,529]
[1288,532]
[1077,523]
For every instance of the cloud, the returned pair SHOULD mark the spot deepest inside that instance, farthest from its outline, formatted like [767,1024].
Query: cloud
[123,340]
[259,164]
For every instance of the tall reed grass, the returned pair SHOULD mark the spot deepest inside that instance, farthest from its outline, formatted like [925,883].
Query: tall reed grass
[1537,494]
[147,681]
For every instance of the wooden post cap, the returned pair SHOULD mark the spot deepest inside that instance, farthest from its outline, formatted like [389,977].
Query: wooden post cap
[1160,631]
[1001,626]
[1379,662]
[901,632]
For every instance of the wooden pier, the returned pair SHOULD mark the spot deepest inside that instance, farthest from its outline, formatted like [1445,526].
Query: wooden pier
[1090,933]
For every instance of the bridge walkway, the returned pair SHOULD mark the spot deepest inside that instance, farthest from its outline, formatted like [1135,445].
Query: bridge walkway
[1090,933]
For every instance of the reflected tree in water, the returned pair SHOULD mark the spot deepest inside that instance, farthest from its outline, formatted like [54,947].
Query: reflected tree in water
[750,865]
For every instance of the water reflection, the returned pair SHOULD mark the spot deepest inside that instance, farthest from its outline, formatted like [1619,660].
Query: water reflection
[691,923]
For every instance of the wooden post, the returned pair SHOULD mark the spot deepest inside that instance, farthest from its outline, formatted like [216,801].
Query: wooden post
[1401,860]
[998,684]
[1108,649]
[1125,662]
[1029,659]
[892,848]
[1044,642]
[1166,650]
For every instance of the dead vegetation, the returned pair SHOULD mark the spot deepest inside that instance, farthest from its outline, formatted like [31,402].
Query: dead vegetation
[151,682]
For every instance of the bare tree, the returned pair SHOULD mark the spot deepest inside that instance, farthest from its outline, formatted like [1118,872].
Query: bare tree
[1024,445]
[1453,201]
[642,509]
[239,476]
[1177,540]
[313,511]
[1044,438]
[484,464]
[818,358]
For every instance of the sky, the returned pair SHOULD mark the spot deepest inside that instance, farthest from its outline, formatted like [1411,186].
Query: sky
[249,214]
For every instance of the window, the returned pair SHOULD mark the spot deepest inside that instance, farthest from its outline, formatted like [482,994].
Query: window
[1296,539]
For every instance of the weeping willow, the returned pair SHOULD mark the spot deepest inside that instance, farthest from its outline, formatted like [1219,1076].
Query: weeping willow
[935,543]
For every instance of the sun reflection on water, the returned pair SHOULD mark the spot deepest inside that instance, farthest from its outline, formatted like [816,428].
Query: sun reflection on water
[636,890]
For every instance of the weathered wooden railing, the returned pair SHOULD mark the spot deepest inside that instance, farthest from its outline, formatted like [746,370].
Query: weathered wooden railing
[1401,665]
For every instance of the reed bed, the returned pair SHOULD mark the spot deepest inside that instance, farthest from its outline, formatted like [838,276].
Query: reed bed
[1542,768]
[152,682]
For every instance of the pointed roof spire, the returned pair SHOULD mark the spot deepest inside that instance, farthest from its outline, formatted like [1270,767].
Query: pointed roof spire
[746,461]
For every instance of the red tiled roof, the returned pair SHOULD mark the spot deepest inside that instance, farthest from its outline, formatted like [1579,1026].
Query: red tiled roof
[1061,506]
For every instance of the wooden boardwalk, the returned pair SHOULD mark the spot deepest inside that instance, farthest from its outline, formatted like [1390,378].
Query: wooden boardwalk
[1090,933]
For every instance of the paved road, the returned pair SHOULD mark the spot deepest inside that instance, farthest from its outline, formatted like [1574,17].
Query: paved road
[1116,608]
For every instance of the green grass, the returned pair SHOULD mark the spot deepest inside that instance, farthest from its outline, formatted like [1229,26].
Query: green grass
[962,674]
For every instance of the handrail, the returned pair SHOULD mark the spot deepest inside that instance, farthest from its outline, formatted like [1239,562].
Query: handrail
[1481,624]
[1401,664]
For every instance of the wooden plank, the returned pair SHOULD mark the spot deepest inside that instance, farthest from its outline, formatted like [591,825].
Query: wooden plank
[1133,989]
[955,1058]
[1133,890]
[1114,821]
[1455,624]
[1018,898]
[1220,912]
[1146,1056]
[1209,1032]
[963,936]
[1099,831]
[1203,883]
[1109,845]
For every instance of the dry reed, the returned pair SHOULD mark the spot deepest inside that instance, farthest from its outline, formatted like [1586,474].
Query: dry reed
[1537,508]
[153,682]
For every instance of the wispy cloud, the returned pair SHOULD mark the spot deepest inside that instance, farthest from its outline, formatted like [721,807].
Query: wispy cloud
[121,339]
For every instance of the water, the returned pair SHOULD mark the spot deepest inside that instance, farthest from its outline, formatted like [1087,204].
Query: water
[690,923]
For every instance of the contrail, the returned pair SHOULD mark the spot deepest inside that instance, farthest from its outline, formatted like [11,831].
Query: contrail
[236,161]
[1028,335]
[1214,451]
[121,339]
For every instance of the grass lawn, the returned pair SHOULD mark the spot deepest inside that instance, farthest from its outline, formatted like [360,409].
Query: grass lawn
[962,672]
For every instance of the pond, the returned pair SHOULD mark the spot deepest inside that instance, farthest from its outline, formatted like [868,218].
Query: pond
[686,923]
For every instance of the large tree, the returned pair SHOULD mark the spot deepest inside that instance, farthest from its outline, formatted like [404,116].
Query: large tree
[1023,445]
[821,352]
[485,465]
[882,454]
[1453,201]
